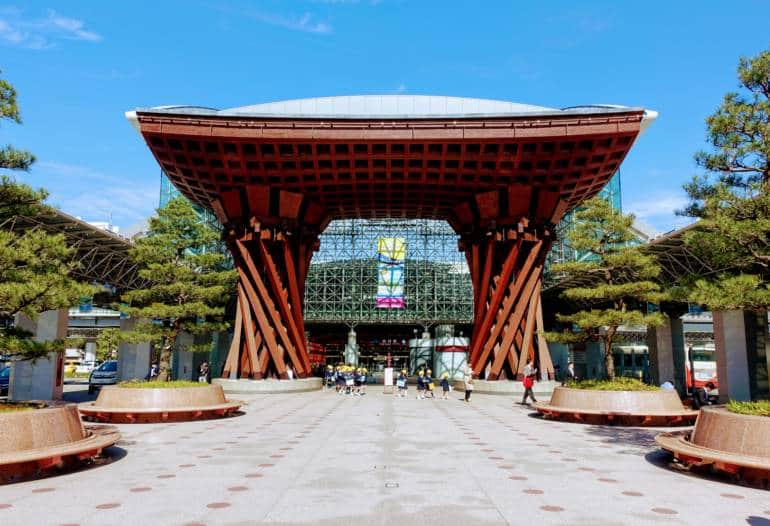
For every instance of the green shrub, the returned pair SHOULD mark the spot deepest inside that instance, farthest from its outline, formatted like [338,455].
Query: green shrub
[14,407]
[758,408]
[618,384]
[141,384]
[76,375]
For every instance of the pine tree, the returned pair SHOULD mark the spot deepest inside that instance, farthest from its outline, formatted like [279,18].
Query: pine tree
[732,199]
[10,157]
[107,343]
[34,266]
[190,285]
[615,282]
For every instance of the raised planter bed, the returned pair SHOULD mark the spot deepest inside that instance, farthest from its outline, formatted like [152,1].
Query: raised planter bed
[130,405]
[730,443]
[629,408]
[43,440]
[264,387]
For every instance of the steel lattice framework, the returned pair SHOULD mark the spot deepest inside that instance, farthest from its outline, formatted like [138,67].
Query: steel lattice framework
[342,282]
[103,257]
[676,261]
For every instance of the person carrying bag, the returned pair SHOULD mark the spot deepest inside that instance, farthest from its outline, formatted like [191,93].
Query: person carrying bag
[468,380]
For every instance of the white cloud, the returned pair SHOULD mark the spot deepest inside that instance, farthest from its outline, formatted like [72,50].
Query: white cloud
[18,30]
[306,22]
[95,196]
[657,211]
[71,27]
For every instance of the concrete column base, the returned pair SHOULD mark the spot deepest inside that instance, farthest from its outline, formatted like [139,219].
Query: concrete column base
[730,340]
[42,379]
[133,358]
[667,354]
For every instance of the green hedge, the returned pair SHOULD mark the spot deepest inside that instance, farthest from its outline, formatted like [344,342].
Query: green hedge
[141,384]
[758,408]
[618,384]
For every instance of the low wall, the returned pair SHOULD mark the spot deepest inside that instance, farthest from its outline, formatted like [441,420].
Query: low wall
[162,398]
[244,386]
[634,402]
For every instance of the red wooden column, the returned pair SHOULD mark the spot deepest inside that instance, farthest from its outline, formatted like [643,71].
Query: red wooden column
[508,301]
[272,235]
[506,235]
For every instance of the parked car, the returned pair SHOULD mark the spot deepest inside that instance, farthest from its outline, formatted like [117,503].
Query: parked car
[5,378]
[105,374]
[86,367]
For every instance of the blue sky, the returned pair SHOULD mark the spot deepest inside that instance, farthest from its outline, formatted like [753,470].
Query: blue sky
[78,66]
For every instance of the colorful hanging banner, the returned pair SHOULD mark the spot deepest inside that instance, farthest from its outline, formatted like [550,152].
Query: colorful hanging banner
[391,253]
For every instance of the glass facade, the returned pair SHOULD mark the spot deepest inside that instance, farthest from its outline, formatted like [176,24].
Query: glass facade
[562,251]
[169,192]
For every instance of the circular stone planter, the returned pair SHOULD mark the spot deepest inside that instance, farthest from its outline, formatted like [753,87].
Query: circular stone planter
[39,441]
[629,408]
[244,386]
[731,443]
[129,405]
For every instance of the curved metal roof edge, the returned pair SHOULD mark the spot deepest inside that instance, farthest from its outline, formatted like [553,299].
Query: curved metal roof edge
[517,109]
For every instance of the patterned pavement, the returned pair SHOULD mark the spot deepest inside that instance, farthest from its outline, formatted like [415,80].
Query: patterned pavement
[320,458]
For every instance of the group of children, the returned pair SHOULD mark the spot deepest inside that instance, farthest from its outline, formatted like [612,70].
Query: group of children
[425,384]
[346,379]
[351,380]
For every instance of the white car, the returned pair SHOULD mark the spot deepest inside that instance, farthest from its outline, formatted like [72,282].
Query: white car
[86,367]
[105,374]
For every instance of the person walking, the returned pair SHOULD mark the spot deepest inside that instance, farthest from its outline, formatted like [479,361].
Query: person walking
[468,380]
[204,374]
[362,381]
[420,385]
[569,374]
[445,386]
[529,381]
[403,384]
[152,374]
[429,385]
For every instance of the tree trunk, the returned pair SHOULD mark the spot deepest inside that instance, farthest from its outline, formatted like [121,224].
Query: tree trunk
[609,359]
[164,363]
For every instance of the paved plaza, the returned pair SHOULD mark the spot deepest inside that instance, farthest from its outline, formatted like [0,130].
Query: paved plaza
[320,458]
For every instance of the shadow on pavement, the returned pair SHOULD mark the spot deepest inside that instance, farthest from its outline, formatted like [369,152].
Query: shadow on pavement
[629,436]
[108,456]
[79,396]
[757,521]
[665,460]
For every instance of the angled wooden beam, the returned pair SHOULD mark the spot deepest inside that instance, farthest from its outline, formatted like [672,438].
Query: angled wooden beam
[546,363]
[486,277]
[264,325]
[530,280]
[486,339]
[528,330]
[297,341]
[494,302]
[275,318]
[248,329]
[291,277]
[231,364]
